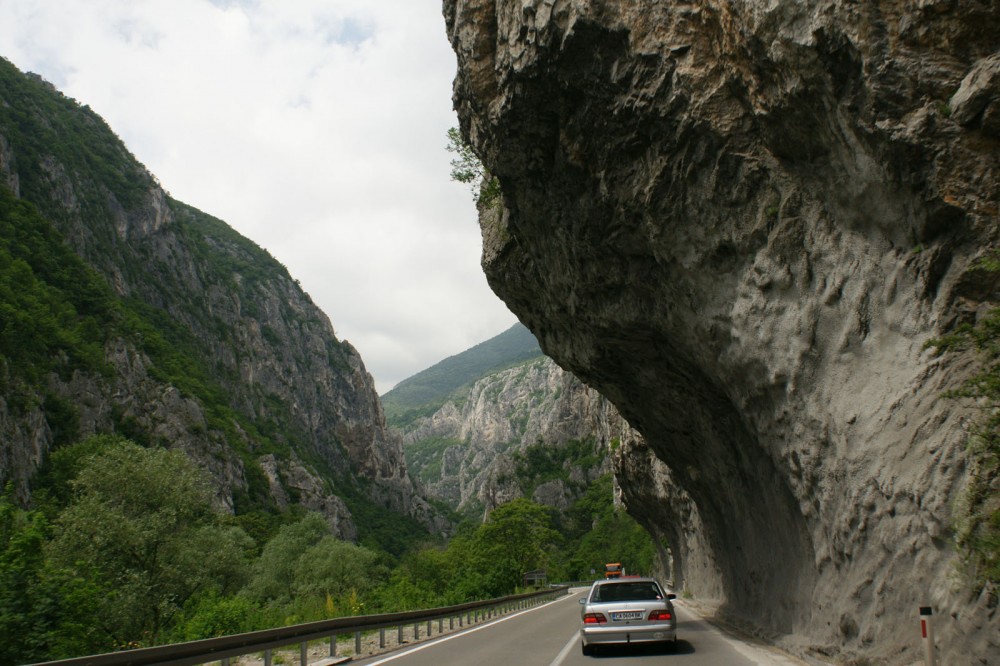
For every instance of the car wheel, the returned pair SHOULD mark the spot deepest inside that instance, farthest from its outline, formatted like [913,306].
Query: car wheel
[587,649]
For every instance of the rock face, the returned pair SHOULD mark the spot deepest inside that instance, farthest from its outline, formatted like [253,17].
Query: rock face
[502,414]
[298,393]
[740,222]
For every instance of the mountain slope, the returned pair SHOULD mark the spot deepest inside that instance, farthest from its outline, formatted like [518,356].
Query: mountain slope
[427,390]
[188,336]
[471,452]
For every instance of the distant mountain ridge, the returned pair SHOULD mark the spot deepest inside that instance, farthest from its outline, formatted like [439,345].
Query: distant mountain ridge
[423,393]
[500,421]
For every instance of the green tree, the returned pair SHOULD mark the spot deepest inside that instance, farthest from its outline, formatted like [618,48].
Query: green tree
[425,578]
[44,613]
[342,571]
[467,168]
[307,573]
[140,528]
[21,535]
[274,572]
[516,537]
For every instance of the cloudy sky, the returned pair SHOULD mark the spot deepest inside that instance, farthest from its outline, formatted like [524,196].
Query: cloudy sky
[316,128]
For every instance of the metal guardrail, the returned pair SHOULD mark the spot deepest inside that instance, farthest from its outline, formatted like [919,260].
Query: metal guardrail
[223,648]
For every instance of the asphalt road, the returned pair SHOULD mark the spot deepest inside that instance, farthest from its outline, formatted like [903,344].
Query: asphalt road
[548,635]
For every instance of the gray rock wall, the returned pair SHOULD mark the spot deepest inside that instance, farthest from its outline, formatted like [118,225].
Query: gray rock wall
[740,222]
[502,414]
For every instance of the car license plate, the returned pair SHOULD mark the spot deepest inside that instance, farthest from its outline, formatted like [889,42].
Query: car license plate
[627,615]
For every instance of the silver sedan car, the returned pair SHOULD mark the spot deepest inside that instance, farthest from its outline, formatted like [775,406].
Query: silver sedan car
[627,610]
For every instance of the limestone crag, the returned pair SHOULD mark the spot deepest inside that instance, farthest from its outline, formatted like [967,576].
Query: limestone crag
[502,414]
[741,222]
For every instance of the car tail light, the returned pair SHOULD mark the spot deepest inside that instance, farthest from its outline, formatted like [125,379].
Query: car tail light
[659,615]
[594,618]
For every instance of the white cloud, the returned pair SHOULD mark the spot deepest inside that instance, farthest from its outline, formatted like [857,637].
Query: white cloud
[315,128]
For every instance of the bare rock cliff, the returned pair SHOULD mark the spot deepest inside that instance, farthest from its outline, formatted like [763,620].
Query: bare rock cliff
[740,222]
[502,414]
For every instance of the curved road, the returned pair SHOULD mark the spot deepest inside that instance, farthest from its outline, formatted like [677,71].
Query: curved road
[548,635]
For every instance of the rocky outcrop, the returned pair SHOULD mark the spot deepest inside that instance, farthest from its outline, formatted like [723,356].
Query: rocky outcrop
[267,353]
[741,222]
[501,415]
[309,491]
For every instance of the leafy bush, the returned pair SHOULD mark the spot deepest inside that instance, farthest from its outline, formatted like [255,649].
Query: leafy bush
[210,614]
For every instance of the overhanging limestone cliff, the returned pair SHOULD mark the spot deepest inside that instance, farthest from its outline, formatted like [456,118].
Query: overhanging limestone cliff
[740,222]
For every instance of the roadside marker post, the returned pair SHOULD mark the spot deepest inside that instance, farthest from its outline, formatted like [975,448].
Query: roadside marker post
[927,632]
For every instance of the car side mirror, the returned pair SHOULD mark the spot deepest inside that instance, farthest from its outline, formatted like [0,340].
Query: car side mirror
[671,596]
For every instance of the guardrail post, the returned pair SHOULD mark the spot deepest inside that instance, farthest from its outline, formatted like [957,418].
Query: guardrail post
[267,657]
[440,625]
[303,653]
[333,645]
[357,643]
[451,622]
[927,632]
[429,628]
[381,638]
[416,630]
[399,634]
[225,661]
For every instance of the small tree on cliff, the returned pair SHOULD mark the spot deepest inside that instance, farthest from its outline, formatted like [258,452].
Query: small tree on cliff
[467,168]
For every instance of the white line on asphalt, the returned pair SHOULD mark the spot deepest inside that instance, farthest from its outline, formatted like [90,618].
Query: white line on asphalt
[428,644]
[561,657]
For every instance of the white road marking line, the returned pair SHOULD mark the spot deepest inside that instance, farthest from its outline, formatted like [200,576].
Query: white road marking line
[561,657]
[428,644]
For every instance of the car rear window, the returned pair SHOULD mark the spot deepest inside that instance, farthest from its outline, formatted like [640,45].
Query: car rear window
[627,592]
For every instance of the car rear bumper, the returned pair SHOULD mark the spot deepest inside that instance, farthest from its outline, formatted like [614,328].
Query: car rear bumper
[653,633]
